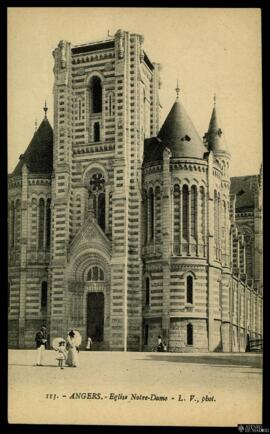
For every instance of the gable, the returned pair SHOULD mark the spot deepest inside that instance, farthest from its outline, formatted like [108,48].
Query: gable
[90,236]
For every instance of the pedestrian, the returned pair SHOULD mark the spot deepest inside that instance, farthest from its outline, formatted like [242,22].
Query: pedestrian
[41,340]
[73,350]
[160,346]
[62,354]
[89,344]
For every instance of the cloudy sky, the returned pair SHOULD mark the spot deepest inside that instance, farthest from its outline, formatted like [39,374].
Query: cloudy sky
[208,50]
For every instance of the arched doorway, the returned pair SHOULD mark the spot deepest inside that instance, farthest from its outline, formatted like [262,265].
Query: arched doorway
[95,318]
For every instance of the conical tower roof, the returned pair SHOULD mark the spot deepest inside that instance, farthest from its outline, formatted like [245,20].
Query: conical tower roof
[179,134]
[215,136]
[38,156]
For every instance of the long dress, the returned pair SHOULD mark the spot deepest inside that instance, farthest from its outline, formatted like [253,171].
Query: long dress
[72,355]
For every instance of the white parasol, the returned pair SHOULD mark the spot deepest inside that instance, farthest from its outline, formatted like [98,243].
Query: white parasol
[56,341]
[77,338]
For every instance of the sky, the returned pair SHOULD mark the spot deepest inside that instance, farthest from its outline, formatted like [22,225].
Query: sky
[210,51]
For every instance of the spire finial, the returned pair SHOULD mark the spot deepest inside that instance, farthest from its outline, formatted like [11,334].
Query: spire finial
[215,99]
[35,125]
[177,90]
[45,108]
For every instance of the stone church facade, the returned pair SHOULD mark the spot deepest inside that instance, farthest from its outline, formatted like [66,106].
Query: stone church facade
[125,229]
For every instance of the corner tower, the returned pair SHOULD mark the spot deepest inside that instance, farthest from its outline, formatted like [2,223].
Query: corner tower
[175,182]
[29,238]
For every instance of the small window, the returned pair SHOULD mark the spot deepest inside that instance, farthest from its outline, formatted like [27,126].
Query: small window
[80,109]
[96,132]
[189,334]
[189,289]
[44,295]
[96,95]
[147,291]
[110,105]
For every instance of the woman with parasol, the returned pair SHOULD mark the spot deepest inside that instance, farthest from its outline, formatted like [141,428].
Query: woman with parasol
[73,342]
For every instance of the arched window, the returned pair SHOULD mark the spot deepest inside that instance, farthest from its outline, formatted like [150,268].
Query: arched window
[147,291]
[146,208]
[96,132]
[157,214]
[96,94]
[193,210]
[95,274]
[97,191]
[48,223]
[249,255]
[189,334]
[202,200]
[189,289]
[185,212]
[41,211]
[101,211]
[151,214]
[44,295]
[176,215]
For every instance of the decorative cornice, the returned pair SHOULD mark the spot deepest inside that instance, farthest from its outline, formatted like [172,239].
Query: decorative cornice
[109,54]
[93,148]
[244,214]
[39,181]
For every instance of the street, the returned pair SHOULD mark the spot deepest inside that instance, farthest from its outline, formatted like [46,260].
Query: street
[211,389]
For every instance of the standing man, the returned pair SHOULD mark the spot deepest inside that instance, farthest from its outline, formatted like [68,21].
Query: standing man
[41,339]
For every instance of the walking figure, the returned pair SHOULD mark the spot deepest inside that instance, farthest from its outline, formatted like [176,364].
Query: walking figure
[41,340]
[89,344]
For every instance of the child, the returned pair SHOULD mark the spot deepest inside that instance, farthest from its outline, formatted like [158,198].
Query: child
[61,354]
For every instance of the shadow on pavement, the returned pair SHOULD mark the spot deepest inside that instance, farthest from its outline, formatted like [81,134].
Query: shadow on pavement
[235,361]
[35,366]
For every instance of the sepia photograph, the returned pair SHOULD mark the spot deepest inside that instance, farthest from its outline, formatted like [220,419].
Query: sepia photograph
[135,216]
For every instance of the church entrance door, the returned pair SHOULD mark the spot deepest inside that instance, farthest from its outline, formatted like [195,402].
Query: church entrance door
[95,318]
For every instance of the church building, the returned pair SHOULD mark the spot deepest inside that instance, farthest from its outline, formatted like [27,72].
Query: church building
[125,229]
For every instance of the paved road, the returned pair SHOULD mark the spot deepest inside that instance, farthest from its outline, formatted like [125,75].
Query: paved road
[136,388]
